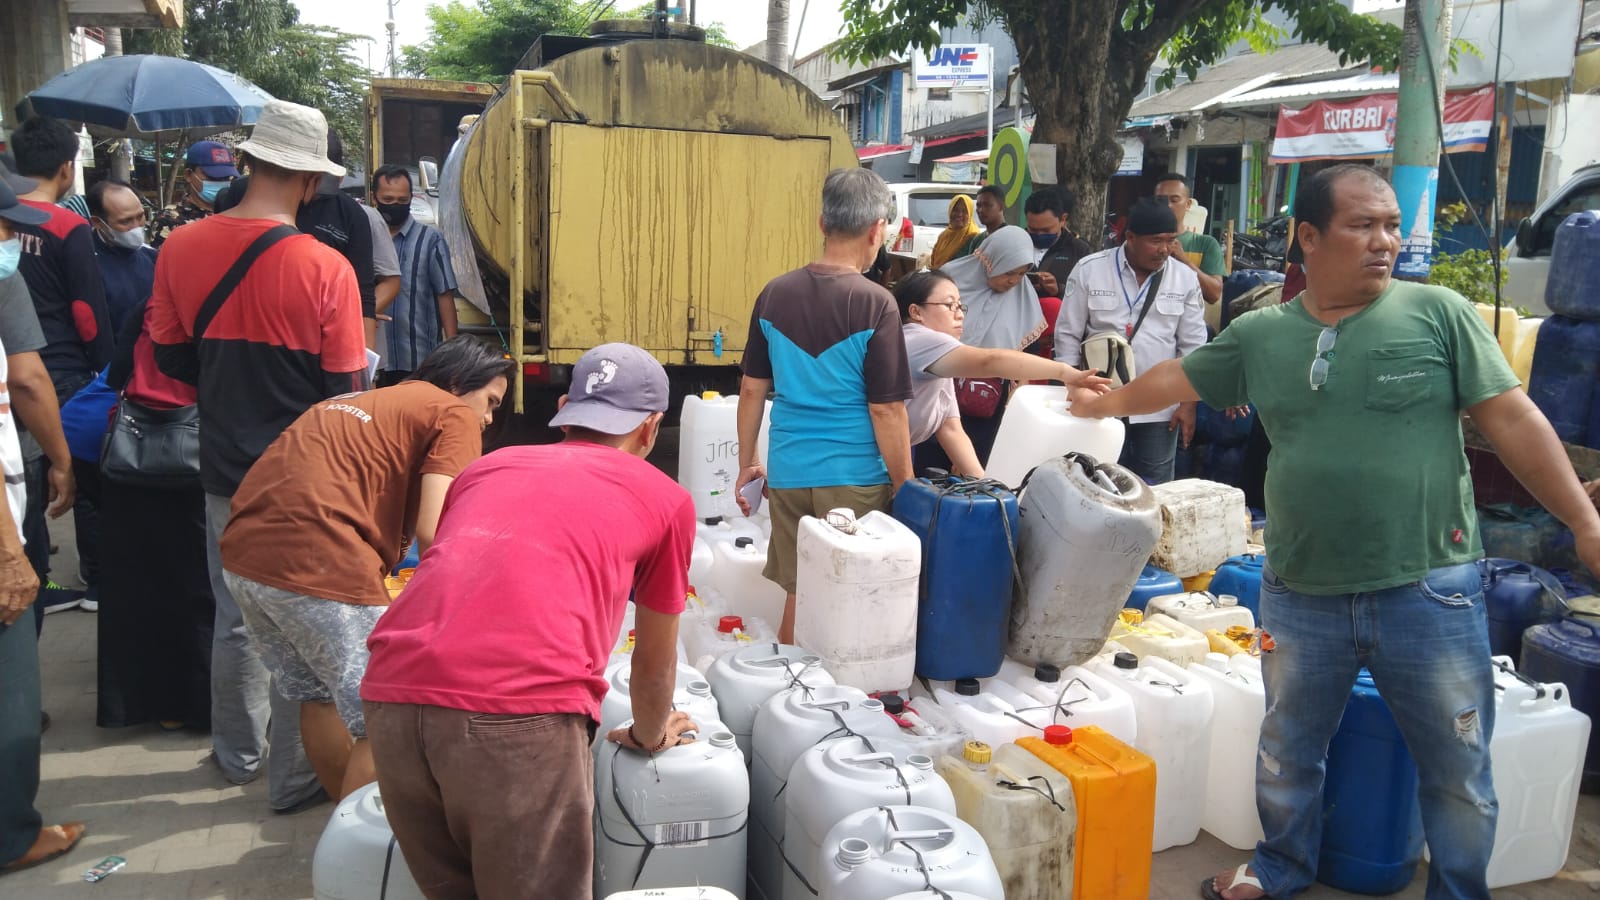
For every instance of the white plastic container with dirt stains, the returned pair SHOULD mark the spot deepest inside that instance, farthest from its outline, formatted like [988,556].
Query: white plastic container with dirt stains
[1025,812]
[1202,610]
[676,894]
[937,895]
[690,693]
[1537,752]
[357,856]
[1175,709]
[710,632]
[744,680]
[925,726]
[1162,636]
[708,451]
[736,577]
[671,818]
[998,714]
[1038,426]
[1203,523]
[787,726]
[839,777]
[1077,697]
[888,850]
[1087,529]
[1239,705]
[856,597]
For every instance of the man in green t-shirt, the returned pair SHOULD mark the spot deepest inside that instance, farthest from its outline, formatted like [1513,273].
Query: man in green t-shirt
[1201,252]
[1360,383]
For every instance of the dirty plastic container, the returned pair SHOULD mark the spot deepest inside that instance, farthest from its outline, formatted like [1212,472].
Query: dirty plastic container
[1203,610]
[1087,529]
[1575,267]
[1241,576]
[1025,812]
[1162,636]
[925,726]
[1568,652]
[788,725]
[1175,709]
[1204,523]
[1537,752]
[1076,696]
[737,579]
[744,680]
[1566,370]
[671,818]
[892,849]
[1371,821]
[357,856]
[1038,426]
[1506,337]
[679,893]
[711,632]
[996,714]
[1153,582]
[1115,788]
[1527,345]
[968,529]
[856,597]
[1239,705]
[843,776]
[1518,596]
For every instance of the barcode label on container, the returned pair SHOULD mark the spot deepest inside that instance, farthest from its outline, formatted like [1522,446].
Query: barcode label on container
[683,834]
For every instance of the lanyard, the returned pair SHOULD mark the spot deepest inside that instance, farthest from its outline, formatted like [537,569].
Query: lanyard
[1140,296]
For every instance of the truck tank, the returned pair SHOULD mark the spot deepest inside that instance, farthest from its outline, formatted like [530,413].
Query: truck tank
[642,191]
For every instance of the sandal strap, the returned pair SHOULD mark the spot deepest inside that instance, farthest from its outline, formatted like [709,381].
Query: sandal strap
[1242,876]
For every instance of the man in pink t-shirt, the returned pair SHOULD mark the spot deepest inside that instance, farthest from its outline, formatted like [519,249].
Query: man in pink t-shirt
[486,675]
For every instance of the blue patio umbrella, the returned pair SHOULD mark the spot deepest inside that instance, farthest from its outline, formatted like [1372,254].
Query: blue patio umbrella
[143,95]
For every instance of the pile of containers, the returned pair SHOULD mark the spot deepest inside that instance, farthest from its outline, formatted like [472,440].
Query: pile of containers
[1564,379]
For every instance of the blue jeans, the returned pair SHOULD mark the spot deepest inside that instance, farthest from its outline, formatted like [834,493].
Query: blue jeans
[1427,647]
[1149,450]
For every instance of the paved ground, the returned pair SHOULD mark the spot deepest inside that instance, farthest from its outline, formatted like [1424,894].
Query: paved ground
[156,799]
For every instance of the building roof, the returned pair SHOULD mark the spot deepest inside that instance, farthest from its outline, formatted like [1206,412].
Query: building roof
[862,76]
[973,124]
[1237,75]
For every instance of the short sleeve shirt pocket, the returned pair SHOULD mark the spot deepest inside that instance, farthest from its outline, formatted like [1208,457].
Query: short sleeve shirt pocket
[1403,374]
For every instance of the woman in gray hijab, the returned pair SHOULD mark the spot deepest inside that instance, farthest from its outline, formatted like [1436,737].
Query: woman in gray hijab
[1002,308]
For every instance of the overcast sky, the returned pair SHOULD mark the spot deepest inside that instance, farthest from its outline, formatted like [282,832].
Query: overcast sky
[745,20]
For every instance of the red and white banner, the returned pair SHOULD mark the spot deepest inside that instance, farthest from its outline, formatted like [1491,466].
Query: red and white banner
[1364,128]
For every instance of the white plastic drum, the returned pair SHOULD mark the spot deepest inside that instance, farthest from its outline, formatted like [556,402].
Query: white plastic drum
[691,694]
[1202,610]
[1038,426]
[891,850]
[856,597]
[708,452]
[357,857]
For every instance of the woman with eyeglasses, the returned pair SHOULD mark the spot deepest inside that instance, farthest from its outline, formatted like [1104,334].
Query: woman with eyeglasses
[932,314]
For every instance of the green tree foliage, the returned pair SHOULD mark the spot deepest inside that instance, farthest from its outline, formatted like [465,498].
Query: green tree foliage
[264,42]
[484,40]
[1084,61]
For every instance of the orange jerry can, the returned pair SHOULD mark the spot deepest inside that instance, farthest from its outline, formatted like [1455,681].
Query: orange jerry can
[1115,786]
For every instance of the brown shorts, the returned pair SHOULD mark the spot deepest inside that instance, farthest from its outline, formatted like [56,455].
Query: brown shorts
[789,504]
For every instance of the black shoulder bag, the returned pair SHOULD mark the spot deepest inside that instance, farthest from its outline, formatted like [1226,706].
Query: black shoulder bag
[160,448]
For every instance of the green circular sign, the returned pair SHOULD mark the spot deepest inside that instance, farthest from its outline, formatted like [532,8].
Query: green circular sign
[1008,165]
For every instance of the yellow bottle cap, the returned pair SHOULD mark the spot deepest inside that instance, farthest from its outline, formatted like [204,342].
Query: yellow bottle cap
[710,395]
[1131,616]
[977,752]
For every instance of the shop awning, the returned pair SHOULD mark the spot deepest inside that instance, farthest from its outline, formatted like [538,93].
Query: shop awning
[876,150]
[1364,128]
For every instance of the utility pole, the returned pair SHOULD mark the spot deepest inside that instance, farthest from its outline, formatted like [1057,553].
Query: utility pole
[1417,131]
[394,66]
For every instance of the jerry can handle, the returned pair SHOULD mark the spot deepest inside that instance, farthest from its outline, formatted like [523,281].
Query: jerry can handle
[930,834]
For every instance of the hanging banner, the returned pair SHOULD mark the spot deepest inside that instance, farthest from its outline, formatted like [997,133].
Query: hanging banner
[958,67]
[1363,128]
[1132,156]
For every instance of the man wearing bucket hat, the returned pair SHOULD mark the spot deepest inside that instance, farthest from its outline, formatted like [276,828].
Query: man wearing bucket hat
[485,679]
[209,169]
[24,840]
[288,334]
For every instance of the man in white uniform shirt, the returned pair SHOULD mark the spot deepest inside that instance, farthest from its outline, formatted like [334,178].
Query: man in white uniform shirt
[1134,291]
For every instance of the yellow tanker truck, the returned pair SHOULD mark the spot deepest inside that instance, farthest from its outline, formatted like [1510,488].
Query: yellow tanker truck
[623,187]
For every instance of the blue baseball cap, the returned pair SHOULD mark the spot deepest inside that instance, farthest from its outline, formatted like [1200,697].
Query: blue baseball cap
[615,387]
[214,159]
[14,210]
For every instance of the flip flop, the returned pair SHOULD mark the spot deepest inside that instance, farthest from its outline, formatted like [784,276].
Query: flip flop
[1241,876]
[75,832]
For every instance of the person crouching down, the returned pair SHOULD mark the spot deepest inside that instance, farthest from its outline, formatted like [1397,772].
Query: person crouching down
[326,513]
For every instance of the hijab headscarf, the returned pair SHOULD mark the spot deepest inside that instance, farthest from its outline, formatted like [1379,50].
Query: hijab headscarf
[952,239]
[1008,321]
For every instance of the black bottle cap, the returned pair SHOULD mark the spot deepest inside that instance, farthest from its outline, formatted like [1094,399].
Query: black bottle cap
[967,687]
[892,703]
[743,541]
[1125,660]
[1047,673]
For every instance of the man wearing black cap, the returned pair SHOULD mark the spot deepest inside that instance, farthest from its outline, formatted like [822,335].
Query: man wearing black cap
[210,170]
[1135,297]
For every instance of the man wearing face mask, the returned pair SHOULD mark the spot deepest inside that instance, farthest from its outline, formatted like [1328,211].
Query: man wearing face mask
[423,314]
[287,336]
[127,265]
[210,169]
[1056,248]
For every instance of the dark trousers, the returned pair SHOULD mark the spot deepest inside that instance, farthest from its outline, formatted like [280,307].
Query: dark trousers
[19,739]
[488,806]
[1149,450]
[86,523]
[36,476]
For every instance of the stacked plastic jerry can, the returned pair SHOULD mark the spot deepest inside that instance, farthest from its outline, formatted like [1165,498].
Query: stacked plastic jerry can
[1568,652]
[1518,596]
[357,855]
[1564,380]
[856,597]
[1025,811]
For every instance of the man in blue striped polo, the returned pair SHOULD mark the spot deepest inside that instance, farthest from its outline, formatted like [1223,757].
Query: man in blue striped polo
[423,314]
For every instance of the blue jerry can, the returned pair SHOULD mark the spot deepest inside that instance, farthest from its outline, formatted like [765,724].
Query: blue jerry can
[1153,582]
[1568,651]
[1518,596]
[1241,577]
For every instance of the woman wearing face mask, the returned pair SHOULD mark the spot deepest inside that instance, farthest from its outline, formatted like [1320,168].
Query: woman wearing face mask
[963,227]
[933,315]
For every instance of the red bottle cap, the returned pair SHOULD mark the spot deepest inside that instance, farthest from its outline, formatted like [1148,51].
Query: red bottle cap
[630,632]
[727,624]
[1057,734]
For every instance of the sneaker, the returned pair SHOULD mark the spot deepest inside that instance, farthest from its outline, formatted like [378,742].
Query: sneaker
[90,601]
[55,598]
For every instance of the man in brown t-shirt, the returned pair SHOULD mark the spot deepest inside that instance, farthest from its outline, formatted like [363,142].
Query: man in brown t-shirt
[324,515]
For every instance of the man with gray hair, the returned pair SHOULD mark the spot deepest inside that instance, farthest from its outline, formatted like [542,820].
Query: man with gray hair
[829,340]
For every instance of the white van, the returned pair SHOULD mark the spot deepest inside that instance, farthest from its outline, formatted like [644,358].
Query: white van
[925,207]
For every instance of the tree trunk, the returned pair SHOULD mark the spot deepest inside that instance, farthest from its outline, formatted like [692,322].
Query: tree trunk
[778,33]
[1082,70]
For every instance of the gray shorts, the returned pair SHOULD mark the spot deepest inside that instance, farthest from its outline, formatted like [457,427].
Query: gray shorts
[315,649]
